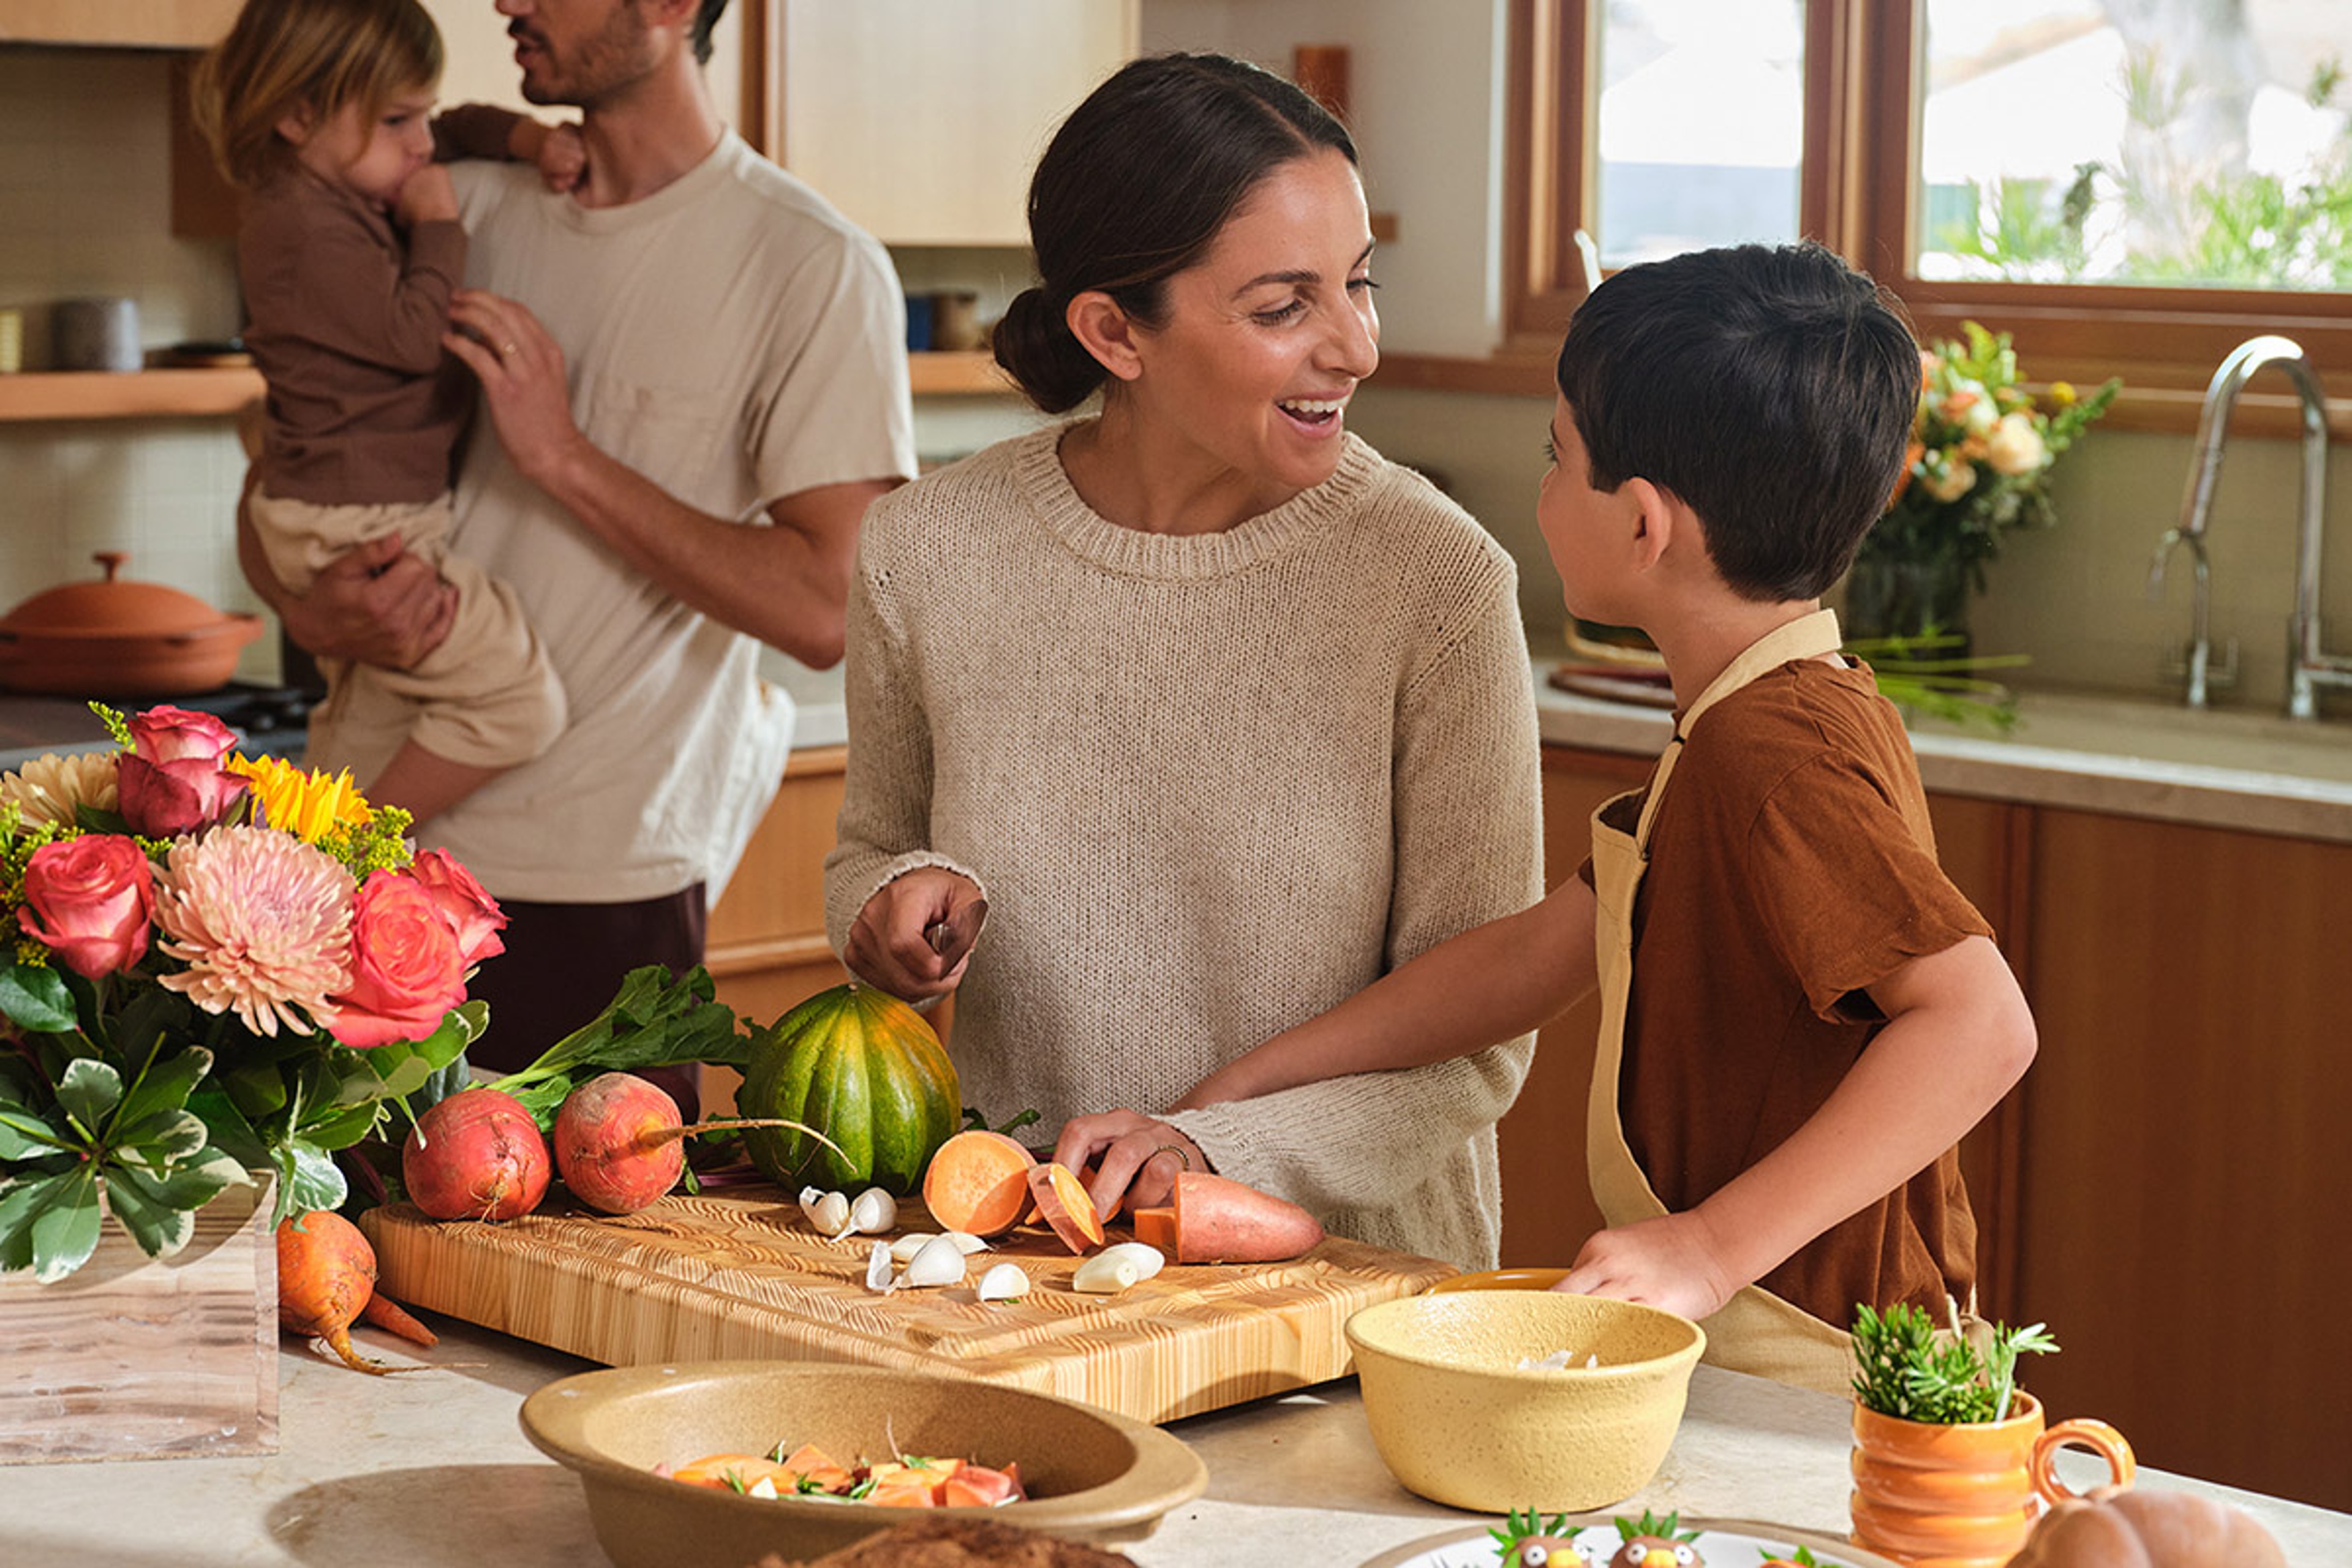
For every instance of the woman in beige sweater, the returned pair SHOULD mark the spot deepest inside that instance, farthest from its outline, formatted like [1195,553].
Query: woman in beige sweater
[1215,712]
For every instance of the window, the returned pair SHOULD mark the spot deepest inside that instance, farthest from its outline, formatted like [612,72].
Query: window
[2129,189]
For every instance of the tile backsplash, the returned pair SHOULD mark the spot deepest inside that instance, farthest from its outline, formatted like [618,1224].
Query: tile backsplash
[85,209]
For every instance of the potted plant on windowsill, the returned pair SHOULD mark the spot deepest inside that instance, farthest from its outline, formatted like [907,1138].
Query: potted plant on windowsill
[1952,1461]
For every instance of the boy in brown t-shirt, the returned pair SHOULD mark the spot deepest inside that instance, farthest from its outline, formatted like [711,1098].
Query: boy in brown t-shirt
[1808,1015]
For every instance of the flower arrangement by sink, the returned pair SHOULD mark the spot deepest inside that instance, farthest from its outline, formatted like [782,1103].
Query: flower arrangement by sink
[1978,466]
[220,969]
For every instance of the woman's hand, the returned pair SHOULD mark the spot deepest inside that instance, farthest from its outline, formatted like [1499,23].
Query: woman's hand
[1136,1160]
[1667,1262]
[522,372]
[890,944]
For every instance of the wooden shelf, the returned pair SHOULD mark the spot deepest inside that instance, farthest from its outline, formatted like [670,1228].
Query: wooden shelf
[200,394]
[137,395]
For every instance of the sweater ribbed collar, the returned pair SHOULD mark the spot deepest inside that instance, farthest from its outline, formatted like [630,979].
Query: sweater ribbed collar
[1038,473]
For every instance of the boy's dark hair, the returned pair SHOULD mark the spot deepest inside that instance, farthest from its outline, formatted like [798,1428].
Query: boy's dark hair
[697,38]
[1132,190]
[1770,389]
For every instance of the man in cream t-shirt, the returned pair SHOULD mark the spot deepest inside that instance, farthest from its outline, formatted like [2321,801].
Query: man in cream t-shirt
[694,379]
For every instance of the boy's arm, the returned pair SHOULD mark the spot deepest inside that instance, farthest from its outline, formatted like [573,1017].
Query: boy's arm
[1488,985]
[1958,1035]
[484,131]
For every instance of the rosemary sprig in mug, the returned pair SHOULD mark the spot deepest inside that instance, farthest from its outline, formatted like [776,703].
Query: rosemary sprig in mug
[1906,1368]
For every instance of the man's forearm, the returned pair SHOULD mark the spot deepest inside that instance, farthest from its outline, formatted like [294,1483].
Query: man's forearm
[787,585]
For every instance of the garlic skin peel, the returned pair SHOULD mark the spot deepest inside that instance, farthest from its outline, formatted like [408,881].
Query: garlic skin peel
[1004,1282]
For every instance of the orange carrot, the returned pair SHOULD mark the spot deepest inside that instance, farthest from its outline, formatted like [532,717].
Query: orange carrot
[393,1317]
[1219,1220]
[326,1276]
[1062,1202]
[978,1182]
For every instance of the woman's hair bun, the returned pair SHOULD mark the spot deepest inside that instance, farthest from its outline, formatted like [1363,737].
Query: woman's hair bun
[1035,347]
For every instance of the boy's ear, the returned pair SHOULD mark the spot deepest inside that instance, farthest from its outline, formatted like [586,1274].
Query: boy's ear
[1660,522]
[1104,328]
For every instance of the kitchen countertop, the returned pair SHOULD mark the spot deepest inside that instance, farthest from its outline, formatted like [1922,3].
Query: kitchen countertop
[2241,769]
[431,1467]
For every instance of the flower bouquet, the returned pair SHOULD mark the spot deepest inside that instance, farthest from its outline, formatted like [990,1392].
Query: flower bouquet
[221,966]
[1977,466]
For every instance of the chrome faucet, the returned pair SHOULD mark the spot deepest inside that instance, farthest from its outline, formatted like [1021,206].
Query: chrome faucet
[2308,666]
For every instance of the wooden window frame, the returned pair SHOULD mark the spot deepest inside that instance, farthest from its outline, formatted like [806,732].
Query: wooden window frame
[1861,138]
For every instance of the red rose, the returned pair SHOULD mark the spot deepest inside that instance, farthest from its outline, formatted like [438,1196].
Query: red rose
[472,913]
[406,971]
[89,901]
[172,782]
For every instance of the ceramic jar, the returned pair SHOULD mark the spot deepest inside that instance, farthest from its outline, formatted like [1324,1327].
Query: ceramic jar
[1966,1496]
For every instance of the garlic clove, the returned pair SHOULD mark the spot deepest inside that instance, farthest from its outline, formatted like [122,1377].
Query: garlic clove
[873,1212]
[907,1246]
[830,1214]
[939,1261]
[1006,1282]
[1147,1259]
[966,1242]
[877,1268]
[1103,1275]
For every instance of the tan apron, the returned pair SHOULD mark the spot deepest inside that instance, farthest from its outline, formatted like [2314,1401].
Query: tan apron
[1755,1332]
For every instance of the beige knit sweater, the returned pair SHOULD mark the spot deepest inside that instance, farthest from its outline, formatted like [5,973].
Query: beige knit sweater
[1212,786]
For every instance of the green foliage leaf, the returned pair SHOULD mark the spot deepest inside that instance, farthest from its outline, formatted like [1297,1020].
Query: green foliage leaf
[25,1136]
[307,1178]
[654,1020]
[1908,1368]
[88,1090]
[164,1139]
[164,1087]
[65,1224]
[34,997]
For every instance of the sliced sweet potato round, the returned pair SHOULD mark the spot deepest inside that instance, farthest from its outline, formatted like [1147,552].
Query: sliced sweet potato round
[1062,1204]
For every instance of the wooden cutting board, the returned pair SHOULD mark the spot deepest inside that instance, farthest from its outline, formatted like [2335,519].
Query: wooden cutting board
[738,1274]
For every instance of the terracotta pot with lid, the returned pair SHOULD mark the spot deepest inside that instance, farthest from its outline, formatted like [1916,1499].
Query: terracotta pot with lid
[115,638]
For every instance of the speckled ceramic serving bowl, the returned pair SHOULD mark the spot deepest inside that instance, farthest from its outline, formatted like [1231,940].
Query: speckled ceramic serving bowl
[1092,1475]
[1457,1420]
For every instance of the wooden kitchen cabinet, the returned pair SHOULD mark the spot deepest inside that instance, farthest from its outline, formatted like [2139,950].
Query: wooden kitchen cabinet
[129,24]
[2187,1218]
[921,120]
[766,948]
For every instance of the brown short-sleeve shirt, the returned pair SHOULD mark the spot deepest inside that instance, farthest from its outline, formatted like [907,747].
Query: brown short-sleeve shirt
[1792,867]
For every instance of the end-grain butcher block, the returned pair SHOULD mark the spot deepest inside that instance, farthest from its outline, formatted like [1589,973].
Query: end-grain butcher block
[739,1274]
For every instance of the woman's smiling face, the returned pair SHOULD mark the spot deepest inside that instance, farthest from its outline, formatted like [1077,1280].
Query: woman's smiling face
[1263,341]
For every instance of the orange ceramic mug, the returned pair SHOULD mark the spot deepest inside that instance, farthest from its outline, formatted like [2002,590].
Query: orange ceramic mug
[1501,1280]
[1965,1496]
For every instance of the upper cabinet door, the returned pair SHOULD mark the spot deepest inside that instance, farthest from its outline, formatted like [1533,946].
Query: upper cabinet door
[136,23]
[922,119]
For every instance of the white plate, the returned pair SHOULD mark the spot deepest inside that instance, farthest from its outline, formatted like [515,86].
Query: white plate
[1722,1543]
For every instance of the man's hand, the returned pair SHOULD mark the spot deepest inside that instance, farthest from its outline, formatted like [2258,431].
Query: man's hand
[889,944]
[1135,1159]
[375,604]
[1667,1262]
[522,372]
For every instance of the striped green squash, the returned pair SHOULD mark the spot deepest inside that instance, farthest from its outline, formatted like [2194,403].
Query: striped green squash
[865,1070]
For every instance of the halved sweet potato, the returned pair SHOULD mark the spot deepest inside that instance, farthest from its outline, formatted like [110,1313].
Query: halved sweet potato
[1219,1220]
[1062,1204]
[978,1182]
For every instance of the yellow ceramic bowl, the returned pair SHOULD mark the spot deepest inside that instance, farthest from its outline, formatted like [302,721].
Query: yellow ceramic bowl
[1457,1421]
[1092,1475]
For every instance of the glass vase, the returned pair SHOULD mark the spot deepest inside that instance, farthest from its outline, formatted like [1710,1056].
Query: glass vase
[1923,601]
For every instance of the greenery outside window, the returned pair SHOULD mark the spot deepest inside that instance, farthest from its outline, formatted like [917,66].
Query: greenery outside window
[2130,187]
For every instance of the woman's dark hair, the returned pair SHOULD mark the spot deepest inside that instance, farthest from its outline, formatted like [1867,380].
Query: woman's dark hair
[1771,389]
[1133,188]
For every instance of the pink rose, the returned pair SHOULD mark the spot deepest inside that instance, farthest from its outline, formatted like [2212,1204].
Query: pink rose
[406,971]
[173,782]
[471,912]
[89,901]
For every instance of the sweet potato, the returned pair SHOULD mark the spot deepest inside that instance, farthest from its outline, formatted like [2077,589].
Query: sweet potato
[1062,1204]
[979,1183]
[1219,1220]
[1157,1227]
[977,1486]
